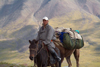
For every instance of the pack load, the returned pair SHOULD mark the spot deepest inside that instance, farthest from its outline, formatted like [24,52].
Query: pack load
[69,43]
[71,39]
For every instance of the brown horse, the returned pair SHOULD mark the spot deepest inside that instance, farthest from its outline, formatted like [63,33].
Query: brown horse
[40,55]
[67,53]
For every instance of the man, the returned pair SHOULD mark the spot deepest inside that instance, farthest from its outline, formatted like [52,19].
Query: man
[46,33]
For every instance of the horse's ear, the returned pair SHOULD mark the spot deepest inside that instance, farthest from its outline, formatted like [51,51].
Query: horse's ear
[29,41]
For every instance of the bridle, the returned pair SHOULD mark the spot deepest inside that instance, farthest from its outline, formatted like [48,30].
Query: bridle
[36,50]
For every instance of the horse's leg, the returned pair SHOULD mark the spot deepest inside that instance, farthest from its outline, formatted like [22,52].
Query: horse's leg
[76,55]
[58,64]
[44,65]
[38,66]
[62,58]
[68,61]
[52,66]
[44,62]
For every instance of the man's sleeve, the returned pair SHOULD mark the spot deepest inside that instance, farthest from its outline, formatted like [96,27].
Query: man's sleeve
[49,36]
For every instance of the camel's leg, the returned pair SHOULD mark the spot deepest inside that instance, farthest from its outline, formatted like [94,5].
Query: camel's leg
[76,55]
[68,61]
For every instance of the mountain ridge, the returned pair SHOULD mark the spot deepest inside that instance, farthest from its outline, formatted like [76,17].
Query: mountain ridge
[20,20]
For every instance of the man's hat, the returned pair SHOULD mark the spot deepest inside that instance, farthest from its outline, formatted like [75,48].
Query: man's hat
[45,18]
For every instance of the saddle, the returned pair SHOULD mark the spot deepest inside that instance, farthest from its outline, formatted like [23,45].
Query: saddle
[52,59]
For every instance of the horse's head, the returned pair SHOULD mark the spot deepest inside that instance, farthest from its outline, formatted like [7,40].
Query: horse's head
[33,48]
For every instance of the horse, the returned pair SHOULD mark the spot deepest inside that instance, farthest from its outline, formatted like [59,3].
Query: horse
[65,53]
[40,55]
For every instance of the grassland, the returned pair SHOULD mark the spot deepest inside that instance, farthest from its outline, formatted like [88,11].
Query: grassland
[89,57]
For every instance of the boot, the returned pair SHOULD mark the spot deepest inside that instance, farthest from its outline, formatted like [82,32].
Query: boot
[56,56]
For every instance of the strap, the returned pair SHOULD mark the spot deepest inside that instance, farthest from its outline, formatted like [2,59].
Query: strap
[73,33]
[74,38]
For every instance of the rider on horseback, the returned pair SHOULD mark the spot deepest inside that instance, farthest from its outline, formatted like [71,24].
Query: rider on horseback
[46,33]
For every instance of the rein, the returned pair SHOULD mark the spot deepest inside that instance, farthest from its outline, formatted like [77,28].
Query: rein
[37,53]
[40,50]
[37,49]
